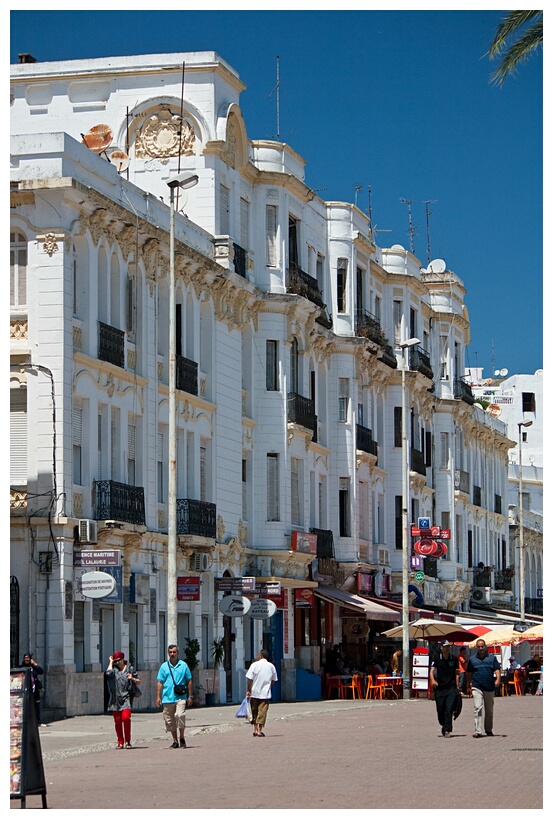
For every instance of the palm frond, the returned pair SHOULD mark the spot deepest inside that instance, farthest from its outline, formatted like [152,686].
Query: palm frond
[518,53]
[513,21]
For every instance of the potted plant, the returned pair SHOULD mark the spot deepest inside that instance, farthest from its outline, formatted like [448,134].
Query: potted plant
[217,654]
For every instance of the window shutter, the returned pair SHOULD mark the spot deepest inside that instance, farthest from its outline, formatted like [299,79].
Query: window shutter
[224,212]
[203,473]
[272,487]
[295,491]
[271,234]
[100,466]
[244,224]
[18,436]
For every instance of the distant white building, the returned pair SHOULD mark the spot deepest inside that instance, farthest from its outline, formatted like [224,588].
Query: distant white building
[289,321]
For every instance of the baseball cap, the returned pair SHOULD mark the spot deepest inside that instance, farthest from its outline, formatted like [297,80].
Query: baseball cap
[445,643]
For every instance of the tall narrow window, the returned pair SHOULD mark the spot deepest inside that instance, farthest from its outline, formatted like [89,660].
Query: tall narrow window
[341,284]
[18,436]
[18,270]
[273,495]
[398,521]
[378,307]
[244,224]
[343,506]
[271,365]
[293,242]
[271,223]
[114,432]
[190,482]
[160,470]
[77,435]
[412,323]
[322,502]
[320,272]
[203,472]
[397,426]
[131,307]
[131,453]
[528,402]
[244,489]
[444,450]
[224,221]
[100,442]
[294,366]
[296,493]
[397,315]
[444,372]
[343,399]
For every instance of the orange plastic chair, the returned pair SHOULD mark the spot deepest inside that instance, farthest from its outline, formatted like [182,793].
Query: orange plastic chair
[374,689]
[354,686]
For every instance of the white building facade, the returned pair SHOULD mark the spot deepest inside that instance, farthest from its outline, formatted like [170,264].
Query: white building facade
[289,321]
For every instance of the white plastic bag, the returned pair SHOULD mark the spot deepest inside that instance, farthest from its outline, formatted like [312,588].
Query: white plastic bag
[249,710]
[243,710]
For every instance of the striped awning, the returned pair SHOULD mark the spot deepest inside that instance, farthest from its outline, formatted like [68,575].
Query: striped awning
[372,611]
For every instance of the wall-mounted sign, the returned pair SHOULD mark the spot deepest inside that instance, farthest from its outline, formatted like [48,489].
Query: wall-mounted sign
[97,584]
[425,546]
[304,542]
[235,584]
[423,523]
[261,608]
[97,557]
[234,605]
[269,588]
[416,562]
[378,584]
[357,628]
[114,596]
[188,588]
[304,598]
[364,582]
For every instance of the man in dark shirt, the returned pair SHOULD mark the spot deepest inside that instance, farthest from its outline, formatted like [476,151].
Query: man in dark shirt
[484,674]
[444,679]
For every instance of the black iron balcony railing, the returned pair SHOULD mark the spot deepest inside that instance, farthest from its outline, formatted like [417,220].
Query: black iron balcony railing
[477,496]
[187,375]
[239,260]
[419,360]
[533,605]
[503,581]
[364,440]
[497,504]
[368,326]
[196,517]
[119,501]
[417,462]
[463,391]
[301,410]
[482,578]
[388,356]
[111,344]
[462,481]
[302,284]
[325,542]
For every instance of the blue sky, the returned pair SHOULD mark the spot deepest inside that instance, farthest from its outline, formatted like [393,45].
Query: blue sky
[396,100]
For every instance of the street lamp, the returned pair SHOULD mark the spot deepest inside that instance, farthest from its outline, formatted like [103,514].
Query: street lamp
[520,524]
[183,180]
[404,521]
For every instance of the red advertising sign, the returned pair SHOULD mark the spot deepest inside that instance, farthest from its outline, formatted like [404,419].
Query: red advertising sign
[435,531]
[425,546]
[441,550]
[188,588]
[445,534]
[415,531]
[304,598]
[304,542]
[364,582]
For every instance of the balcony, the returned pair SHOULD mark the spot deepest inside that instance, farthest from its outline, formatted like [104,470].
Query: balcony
[419,360]
[196,517]
[482,578]
[368,326]
[302,284]
[239,260]
[477,496]
[533,605]
[388,356]
[504,580]
[301,410]
[187,375]
[119,501]
[111,345]
[497,505]
[417,462]
[463,391]
[325,542]
[364,440]
[462,481]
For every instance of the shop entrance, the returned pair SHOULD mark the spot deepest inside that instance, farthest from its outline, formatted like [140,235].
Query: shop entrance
[273,633]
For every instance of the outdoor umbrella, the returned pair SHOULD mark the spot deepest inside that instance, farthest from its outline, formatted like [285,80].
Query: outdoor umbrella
[499,637]
[534,633]
[433,630]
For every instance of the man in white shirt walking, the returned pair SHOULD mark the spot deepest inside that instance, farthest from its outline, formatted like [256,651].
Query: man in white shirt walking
[260,677]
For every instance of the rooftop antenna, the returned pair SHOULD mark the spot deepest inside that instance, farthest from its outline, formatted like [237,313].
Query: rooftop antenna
[428,212]
[493,358]
[370,211]
[277,89]
[412,229]
[357,188]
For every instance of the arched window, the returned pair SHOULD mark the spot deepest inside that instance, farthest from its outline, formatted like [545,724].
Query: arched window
[18,270]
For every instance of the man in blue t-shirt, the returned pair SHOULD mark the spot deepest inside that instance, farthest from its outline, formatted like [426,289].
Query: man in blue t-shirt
[173,673]
[484,674]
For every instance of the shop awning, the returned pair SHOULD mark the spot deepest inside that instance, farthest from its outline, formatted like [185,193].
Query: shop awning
[372,611]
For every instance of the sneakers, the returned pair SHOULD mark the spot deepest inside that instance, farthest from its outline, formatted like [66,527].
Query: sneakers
[182,743]
[447,733]
[175,745]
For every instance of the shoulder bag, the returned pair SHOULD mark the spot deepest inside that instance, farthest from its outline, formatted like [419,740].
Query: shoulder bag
[178,689]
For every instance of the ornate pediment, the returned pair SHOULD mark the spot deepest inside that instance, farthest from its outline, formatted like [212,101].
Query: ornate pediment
[164,134]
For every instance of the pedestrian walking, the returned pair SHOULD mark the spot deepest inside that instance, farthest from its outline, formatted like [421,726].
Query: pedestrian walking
[29,661]
[174,693]
[260,676]
[463,660]
[444,679]
[121,680]
[484,674]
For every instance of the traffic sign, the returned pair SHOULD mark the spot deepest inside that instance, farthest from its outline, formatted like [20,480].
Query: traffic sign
[424,523]
[419,576]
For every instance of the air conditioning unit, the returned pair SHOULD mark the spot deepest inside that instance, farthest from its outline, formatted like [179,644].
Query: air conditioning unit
[88,531]
[199,562]
[265,566]
[482,595]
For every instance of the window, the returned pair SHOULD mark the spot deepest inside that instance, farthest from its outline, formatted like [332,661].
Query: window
[293,241]
[224,221]
[160,470]
[525,498]
[524,437]
[343,504]
[18,436]
[341,284]
[360,302]
[528,402]
[322,502]
[444,450]
[397,313]
[360,414]
[77,436]
[115,427]
[428,448]
[204,465]
[320,273]
[18,270]
[131,452]
[245,515]
[296,486]
[102,468]
[271,222]
[244,224]
[362,506]
[397,426]
[378,307]
[131,306]
[343,399]
[443,359]
[399,521]
[273,495]
[271,362]
[294,366]
[412,323]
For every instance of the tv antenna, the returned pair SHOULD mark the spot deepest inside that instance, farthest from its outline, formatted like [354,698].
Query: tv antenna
[428,212]
[277,89]
[412,228]
[357,188]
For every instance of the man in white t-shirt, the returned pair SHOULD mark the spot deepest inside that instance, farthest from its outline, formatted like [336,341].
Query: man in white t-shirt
[260,677]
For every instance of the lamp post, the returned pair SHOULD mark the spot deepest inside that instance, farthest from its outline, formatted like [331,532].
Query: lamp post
[404,522]
[184,180]
[520,524]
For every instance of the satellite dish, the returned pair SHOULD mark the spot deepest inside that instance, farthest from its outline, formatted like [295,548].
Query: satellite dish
[496,372]
[495,410]
[437,266]
[503,372]
[98,138]
[397,247]
[120,159]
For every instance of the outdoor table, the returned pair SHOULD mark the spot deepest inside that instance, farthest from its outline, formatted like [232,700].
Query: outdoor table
[391,684]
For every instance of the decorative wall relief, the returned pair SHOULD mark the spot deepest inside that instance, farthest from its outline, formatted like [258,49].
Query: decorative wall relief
[163,135]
